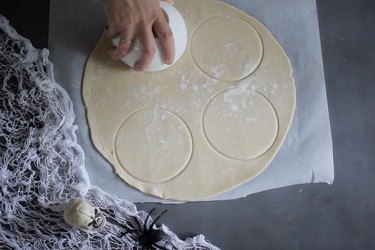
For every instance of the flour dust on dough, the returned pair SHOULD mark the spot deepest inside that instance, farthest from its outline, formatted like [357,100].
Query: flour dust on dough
[235,122]
[211,122]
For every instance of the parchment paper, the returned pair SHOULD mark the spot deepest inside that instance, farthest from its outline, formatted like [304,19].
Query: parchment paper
[306,155]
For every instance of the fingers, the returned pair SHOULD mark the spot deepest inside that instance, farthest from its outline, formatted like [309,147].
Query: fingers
[165,35]
[136,20]
[110,31]
[169,1]
[125,43]
[148,49]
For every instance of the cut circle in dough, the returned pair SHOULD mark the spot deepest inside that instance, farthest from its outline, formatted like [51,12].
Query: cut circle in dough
[226,48]
[240,124]
[153,145]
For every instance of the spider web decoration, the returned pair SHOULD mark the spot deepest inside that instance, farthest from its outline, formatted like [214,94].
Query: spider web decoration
[42,166]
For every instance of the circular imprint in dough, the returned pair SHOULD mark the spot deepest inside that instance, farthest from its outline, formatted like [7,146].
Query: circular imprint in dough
[153,145]
[226,48]
[240,124]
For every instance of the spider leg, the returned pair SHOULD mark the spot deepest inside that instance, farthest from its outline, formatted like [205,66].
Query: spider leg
[157,218]
[147,217]
[140,228]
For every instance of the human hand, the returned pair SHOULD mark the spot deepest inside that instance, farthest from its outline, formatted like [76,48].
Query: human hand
[139,19]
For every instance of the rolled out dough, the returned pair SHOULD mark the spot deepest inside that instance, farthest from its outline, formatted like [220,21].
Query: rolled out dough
[211,122]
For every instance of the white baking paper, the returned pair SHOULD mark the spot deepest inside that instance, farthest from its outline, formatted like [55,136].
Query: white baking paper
[306,155]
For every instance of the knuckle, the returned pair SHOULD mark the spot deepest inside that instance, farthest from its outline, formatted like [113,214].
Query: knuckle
[121,23]
[149,51]
[129,22]
[144,23]
[166,35]
[156,10]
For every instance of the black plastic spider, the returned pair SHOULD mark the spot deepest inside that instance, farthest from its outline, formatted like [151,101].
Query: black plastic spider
[147,237]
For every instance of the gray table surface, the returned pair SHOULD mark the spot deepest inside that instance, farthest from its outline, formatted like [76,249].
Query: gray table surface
[313,216]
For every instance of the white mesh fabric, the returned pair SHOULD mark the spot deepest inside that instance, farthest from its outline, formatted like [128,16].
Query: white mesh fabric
[42,166]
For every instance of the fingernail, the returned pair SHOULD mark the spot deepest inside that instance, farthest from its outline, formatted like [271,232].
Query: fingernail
[124,50]
[169,61]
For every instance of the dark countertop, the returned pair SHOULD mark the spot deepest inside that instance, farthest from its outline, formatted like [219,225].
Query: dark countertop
[29,18]
[312,216]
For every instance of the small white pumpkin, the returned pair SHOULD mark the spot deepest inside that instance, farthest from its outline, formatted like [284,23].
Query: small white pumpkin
[79,213]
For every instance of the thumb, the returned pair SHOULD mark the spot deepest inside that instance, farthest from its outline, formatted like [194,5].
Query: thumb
[171,2]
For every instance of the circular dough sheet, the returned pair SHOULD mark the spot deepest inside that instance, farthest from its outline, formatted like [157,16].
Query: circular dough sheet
[211,122]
